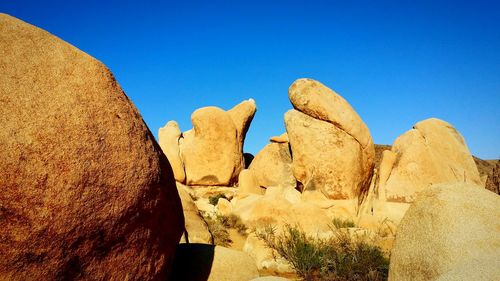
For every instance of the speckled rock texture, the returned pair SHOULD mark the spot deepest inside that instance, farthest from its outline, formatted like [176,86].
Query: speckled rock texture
[85,192]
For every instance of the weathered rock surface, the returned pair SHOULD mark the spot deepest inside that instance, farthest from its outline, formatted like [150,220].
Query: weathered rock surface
[248,184]
[450,228]
[272,166]
[332,148]
[195,226]
[85,191]
[242,115]
[325,158]
[211,151]
[432,152]
[168,138]
[212,263]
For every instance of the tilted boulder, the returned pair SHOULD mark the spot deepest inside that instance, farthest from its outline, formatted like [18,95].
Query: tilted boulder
[168,138]
[332,149]
[272,166]
[448,230]
[196,229]
[85,192]
[432,152]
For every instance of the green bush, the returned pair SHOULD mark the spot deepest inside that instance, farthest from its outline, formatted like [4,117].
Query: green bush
[341,223]
[219,226]
[339,258]
[214,199]
[218,231]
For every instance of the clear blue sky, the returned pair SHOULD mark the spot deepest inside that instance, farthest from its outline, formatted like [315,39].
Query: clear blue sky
[396,62]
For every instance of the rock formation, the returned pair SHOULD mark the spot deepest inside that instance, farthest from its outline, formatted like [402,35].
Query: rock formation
[331,146]
[448,230]
[272,166]
[432,152]
[169,137]
[85,191]
[212,152]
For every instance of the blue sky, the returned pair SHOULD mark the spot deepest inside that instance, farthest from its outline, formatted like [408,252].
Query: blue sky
[396,62]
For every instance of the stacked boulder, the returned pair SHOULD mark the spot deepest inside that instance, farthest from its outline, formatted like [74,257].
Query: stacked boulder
[318,170]
[332,148]
[210,154]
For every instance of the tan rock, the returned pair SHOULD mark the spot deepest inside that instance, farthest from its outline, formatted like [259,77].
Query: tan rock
[448,229]
[242,115]
[318,101]
[325,158]
[283,138]
[224,207]
[272,166]
[431,153]
[168,138]
[212,263]
[247,183]
[195,226]
[332,147]
[211,152]
[86,192]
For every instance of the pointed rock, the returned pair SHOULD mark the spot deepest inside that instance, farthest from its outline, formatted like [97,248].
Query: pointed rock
[168,138]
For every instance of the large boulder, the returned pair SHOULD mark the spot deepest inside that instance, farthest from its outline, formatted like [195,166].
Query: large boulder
[450,228]
[168,138]
[211,151]
[272,166]
[332,148]
[432,152]
[85,191]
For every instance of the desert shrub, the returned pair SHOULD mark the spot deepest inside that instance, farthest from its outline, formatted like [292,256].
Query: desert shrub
[341,223]
[342,257]
[303,254]
[214,199]
[218,231]
[219,225]
[233,221]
